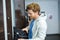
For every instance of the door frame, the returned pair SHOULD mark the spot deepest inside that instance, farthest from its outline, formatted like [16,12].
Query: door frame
[5,20]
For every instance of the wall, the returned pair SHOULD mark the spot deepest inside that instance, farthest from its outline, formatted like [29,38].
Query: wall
[59,13]
[51,9]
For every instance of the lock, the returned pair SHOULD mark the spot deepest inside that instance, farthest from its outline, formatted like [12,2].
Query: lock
[8,17]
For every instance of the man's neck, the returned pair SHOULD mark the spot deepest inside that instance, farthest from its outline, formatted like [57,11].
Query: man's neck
[36,17]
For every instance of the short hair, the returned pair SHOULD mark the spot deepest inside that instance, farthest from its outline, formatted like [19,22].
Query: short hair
[33,6]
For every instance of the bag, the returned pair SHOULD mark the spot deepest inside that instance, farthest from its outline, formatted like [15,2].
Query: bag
[20,34]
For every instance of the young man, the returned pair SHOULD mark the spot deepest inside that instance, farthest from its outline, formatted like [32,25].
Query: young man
[38,27]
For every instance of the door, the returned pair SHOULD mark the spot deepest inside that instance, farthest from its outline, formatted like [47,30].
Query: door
[5,20]
[9,20]
[1,21]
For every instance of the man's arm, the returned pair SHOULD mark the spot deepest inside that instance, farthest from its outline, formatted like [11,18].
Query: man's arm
[26,29]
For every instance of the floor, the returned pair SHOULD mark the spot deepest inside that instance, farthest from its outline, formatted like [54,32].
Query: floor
[52,37]
[48,37]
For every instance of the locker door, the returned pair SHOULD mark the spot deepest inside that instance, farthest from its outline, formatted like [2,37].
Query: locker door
[19,20]
[1,21]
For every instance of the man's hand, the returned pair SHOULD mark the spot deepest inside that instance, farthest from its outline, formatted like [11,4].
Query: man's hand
[25,29]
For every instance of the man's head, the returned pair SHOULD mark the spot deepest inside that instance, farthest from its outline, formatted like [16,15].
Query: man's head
[33,10]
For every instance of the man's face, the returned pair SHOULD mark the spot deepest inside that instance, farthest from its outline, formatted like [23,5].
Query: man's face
[31,14]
